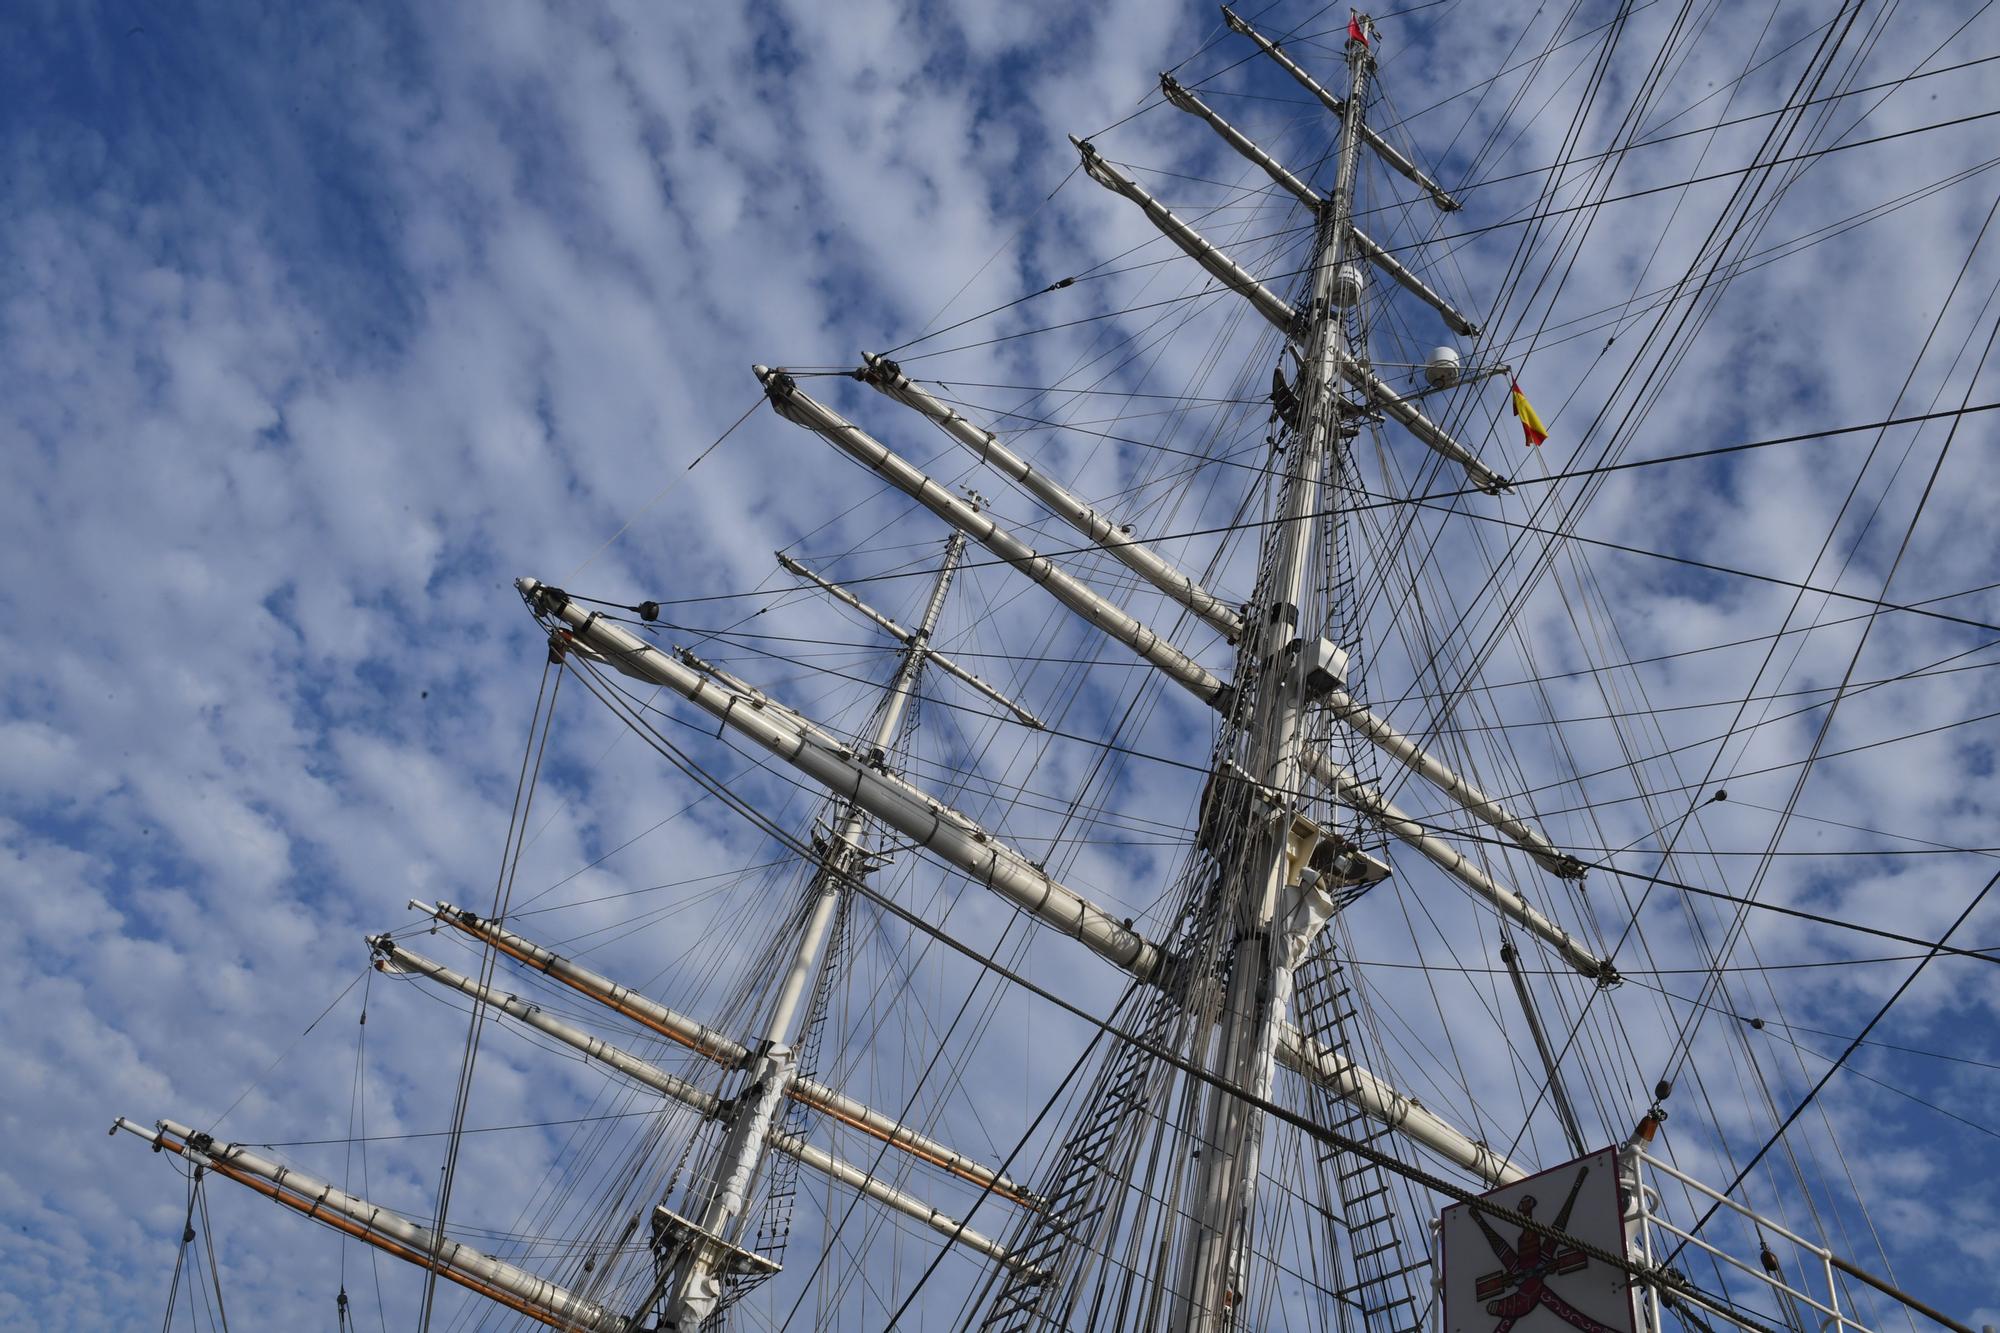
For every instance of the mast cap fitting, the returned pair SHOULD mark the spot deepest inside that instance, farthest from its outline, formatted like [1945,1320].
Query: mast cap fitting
[1322,666]
[1348,284]
[542,599]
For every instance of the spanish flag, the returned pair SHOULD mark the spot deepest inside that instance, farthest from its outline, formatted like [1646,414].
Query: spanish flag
[1531,425]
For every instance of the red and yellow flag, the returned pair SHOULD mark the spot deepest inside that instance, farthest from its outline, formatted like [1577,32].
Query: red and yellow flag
[1531,425]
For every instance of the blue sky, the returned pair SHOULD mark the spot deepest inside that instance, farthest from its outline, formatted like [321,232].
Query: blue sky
[320,327]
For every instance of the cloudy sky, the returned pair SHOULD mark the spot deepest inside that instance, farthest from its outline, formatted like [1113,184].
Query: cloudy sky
[321,327]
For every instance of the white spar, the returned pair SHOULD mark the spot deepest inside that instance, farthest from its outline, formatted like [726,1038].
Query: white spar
[717,1046]
[1197,247]
[679,1089]
[1284,318]
[800,408]
[1489,811]
[494,1278]
[1411,417]
[953,837]
[1180,96]
[1350,790]
[1352,1083]
[1412,284]
[1115,538]
[394,957]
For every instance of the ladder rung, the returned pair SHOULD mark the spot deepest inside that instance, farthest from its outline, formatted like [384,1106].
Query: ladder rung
[1092,1151]
[1069,1186]
[1372,1311]
[1379,1249]
[1384,1277]
[1017,1296]
[1071,1224]
[1049,1238]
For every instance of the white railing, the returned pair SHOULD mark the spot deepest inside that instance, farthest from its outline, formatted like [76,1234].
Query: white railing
[1796,1309]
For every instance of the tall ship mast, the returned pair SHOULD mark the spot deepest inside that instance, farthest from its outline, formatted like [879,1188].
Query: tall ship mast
[842,1113]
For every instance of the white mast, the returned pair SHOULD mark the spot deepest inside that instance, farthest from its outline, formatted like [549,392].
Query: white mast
[696,1287]
[1278,909]
[1338,106]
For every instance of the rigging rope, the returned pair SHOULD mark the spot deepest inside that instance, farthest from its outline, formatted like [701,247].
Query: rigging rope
[1841,1060]
[663,492]
[180,1253]
[208,1244]
[524,792]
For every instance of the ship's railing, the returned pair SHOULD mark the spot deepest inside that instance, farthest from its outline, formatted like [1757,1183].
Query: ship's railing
[1654,1236]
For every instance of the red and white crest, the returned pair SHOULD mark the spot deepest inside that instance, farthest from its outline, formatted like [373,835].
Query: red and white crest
[1502,1278]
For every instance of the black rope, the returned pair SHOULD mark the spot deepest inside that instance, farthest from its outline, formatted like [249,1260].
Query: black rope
[531,767]
[1841,1059]
[180,1255]
[208,1243]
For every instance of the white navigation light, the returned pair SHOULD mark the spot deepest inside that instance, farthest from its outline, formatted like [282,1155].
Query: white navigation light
[1442,369]
[1347,284]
